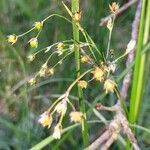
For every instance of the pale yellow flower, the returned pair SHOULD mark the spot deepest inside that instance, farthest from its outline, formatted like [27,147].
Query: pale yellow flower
[12,38]
[33,42]
[114,7]
[43,70]
[44,66]
[45,119]
[50,71]
[76,116]
[82,84]
[109,85]
[98,74]
[32,81]
[60,47]
[85,59]
[77,16]
[38,25]
[31,57]
[109,24]
[61,107]
[57,131]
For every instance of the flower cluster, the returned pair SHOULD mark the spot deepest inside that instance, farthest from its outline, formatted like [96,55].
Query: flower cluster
[102,70]
[33,41]
[59,107]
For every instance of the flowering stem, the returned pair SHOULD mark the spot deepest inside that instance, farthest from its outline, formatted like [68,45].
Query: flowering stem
[57,15]
[52,15]
[52,106]
[110,33]
[26,32]
[75,9]
[73,84]
[120,57]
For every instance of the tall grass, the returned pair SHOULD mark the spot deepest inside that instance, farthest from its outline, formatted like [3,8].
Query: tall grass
[138,78]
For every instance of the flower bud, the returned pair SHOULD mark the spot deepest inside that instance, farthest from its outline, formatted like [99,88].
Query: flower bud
[45,119]
[114,7]
[57,131]
[31,57]
[109,24]
[109,85]
[76,116]
[32,81]
[12,38]
[38,25]
[82,84]
[33,42]
[77,16]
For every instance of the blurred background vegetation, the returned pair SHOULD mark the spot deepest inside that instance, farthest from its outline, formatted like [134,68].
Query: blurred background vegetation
[21,105]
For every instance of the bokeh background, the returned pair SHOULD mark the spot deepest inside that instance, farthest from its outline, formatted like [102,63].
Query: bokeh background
[21,104]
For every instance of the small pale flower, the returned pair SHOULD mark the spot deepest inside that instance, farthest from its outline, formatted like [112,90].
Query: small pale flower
[130,46]
[109,24]
[12,38]
[109,85]
[43,70]
[33,42]
[82,84]
[45,119]
[38,25]
[77,16]
[98,74]
[50,71]
[76,116]
[61,107]
[44,66]
[31,57]
[32,81]
[59,52]
[114,7]
[60,45]
[57,131]
[112,67]
[85,59]
[71,47]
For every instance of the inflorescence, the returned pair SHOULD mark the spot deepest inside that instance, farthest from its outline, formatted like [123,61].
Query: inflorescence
[101,71]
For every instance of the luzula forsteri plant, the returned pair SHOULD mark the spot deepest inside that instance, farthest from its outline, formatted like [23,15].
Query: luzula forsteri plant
[101,70]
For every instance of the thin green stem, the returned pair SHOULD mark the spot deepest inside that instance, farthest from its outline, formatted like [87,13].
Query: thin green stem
[26,32]
[52,15]
[109,39]
[57,15]
[75,9]
[62,59]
